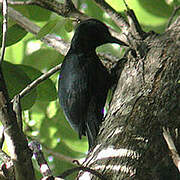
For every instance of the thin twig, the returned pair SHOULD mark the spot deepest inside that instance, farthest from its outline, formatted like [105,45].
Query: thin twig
[135,26]
[117,17]
[58,155]
[38,81]
[172,148]
[5,16]
[55,154]
[176,9]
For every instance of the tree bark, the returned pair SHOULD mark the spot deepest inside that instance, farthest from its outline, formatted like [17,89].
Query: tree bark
[130,144]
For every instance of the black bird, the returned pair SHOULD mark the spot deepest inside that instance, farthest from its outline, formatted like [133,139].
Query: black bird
[84,81]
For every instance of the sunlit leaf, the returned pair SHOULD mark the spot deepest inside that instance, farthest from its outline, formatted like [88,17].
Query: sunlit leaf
[47,28]
[43,59]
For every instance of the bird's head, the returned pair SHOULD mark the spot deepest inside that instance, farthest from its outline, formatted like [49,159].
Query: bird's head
[92,33]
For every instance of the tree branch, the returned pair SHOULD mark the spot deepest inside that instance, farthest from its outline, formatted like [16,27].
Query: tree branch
[65,10]
[17,144]
[68,6]
[58,155]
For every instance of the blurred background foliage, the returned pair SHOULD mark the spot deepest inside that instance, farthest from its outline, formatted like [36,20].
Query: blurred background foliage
[27,58]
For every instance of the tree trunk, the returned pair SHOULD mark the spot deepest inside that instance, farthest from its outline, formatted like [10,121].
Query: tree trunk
[130,144]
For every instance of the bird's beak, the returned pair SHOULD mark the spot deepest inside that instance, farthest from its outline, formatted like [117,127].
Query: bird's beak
[112,39]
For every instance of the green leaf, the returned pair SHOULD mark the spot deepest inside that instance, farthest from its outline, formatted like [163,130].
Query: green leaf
[14,34]
[43,59]
[93,10]
[68,25]
[47,28]
[37,13]
[16,80]
[46,90]
[33,12]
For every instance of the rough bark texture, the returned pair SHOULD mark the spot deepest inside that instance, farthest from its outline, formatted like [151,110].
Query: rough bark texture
[130,144]
[15,139]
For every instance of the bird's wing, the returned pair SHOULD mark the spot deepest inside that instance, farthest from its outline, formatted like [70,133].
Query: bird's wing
[75,91]
[82,93]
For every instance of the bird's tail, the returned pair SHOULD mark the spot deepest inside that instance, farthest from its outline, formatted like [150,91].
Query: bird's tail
[92,128]
[92,131]
[91,135]
[94,119]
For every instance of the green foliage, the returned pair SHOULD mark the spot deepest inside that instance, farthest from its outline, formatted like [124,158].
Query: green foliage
[157,8]
[11,37]
[27,58]
[47,28]
[43,59]
[37,13]
[46,91]
[16,80]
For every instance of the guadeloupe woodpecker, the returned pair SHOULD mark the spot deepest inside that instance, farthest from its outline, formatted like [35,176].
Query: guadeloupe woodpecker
[84,81]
